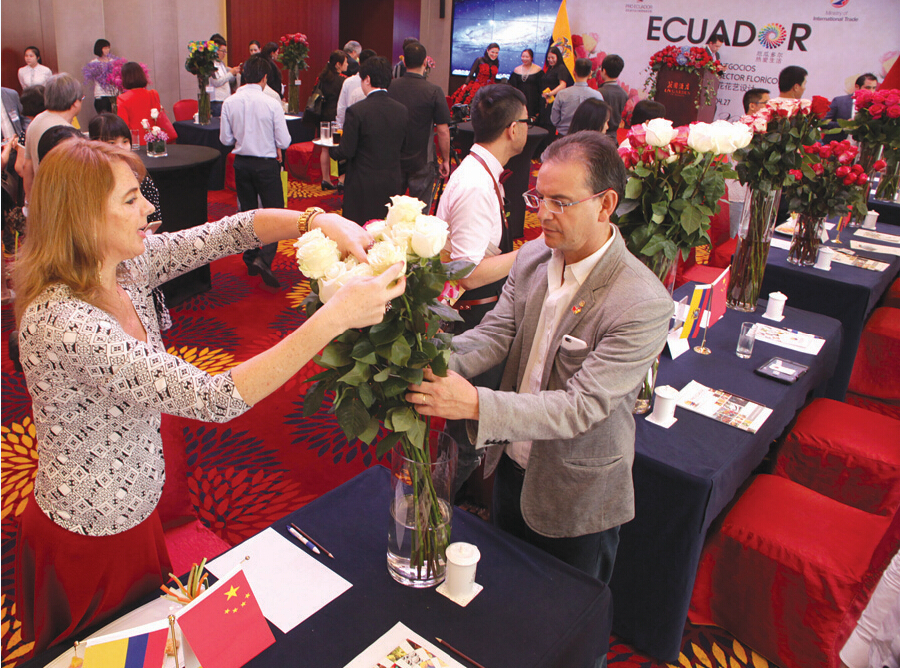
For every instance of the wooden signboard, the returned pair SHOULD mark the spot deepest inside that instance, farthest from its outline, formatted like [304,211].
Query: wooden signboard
[681,92]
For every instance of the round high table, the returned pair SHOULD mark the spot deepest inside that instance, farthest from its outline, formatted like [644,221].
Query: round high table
[519,165]
[181,178]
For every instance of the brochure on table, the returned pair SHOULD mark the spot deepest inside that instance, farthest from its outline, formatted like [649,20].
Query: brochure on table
[845,257]
[402,648]
[724,407]
[789,338]
[873,248]
[877,236]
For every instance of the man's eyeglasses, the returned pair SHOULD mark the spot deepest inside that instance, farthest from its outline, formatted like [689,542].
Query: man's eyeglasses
[534,201]
[526,121]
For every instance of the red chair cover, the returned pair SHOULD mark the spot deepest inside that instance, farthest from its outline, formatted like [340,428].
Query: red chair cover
[189,544]
[846,453]
[303,162]
[876,371]
[892,298]
[184,110]
[790,571]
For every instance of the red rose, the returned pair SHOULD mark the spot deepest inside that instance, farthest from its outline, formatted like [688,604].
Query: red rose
[879,165]
[812,149]
[861,180]
[784,113]
[820,106]
[875,110]
[842,171]
[818,169]
[857,169]
[825,152]
[797,174]
[845,159]
[849,181]
[893,111]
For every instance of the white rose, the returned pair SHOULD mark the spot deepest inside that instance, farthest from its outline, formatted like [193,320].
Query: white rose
[403,208]
[376,228]
[724,137]
[154,113]
[660,132]
[401,233]
[429,236]
[700,137]
[156,129]
[339,275]
[743,135]
[145,124]
[316,253]
[384,254]
[626,144]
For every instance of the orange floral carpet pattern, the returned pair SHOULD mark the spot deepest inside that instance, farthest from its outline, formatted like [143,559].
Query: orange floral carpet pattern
[244,475]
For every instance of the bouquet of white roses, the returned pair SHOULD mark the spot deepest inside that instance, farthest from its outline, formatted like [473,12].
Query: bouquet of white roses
[369,369]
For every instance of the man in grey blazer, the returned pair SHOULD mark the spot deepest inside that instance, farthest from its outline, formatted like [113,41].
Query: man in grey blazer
[578,324]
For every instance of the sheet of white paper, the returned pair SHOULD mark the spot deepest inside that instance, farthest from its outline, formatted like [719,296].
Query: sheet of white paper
[289,584]
[781,243]
[398,634]
[790,339]
[873,248]
[677,345]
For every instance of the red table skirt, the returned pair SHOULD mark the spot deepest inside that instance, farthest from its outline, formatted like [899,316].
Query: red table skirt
[66,582]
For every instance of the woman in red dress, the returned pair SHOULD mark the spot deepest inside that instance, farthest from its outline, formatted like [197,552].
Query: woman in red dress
[135,103]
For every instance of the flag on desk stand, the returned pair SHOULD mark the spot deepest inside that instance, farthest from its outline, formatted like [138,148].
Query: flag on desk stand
[562,38]
[719,295]
[225,626]
[700,301]
[142,647]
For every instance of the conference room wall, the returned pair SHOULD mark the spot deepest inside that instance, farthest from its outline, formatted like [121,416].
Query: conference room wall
[155,33]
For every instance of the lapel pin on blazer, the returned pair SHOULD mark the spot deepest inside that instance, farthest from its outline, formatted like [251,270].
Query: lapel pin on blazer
[577,308]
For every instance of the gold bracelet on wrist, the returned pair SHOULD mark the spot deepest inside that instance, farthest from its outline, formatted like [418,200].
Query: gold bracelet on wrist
[305,219]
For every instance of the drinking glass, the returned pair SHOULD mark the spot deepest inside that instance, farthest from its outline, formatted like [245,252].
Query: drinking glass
[746,340]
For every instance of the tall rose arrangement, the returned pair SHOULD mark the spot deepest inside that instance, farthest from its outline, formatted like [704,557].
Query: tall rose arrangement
[293,50]
[201,60]
[875,125]
[369,369]
[675,180]
[780,130]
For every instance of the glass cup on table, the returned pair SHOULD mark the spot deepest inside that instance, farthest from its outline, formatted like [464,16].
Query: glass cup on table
[135,140]
[336,133]
[325,131]
[745,340]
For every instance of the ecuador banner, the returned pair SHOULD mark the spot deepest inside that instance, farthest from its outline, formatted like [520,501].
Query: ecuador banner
[562,38]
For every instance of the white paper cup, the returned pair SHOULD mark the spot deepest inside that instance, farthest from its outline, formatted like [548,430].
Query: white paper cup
[462,560]
[823,260]
[775,307]
[871,219]
[664,406]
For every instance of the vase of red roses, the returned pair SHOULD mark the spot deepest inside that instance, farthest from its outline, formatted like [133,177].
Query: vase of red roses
[876,126]
[292,52]
[780,130]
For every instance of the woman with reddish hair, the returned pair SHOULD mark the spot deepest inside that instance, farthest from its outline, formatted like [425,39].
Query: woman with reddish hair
[137,102]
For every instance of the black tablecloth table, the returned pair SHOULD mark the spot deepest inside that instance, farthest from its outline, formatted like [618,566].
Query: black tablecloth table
[686,475]
[846,293]
[181,177]
[888,212]
[534,611]
[519,165]
[208,135]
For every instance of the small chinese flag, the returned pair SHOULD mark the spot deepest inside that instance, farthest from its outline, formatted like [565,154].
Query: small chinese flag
[225,626]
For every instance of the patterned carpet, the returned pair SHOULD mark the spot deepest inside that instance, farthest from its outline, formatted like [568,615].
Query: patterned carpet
[243,475]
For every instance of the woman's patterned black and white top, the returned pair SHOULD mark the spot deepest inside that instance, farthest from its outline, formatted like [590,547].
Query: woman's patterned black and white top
[98,393]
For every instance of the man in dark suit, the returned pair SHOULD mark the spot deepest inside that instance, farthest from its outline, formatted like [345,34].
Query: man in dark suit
[842,105]
[613,94]
[713,44]
[374,133]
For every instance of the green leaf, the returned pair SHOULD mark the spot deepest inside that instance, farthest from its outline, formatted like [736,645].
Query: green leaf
[403,418]
[364,351]
[387,444]
[370,432]
[633,188]
[394,386]
[416,433]
[415,376]
[357,375]
[400,352]
[458,269]
[382,375]
[352,417]
[445,312]
[315,397]
[384,332]
[441,364]
[366,395]
[335,355]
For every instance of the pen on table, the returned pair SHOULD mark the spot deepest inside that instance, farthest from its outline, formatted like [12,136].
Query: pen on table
[303,540]
[312,540]
[458,653]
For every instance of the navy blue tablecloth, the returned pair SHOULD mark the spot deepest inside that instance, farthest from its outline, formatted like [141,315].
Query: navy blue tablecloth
[846,293]
[685,476]
[533,611]
[208,135]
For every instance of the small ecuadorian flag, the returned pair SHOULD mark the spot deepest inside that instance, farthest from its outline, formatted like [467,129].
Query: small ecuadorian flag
[146,649]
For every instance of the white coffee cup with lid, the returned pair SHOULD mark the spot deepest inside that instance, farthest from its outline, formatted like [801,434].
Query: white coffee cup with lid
[462,561]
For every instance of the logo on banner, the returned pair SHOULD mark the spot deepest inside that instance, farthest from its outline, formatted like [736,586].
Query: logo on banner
[837,4]
[772,35]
